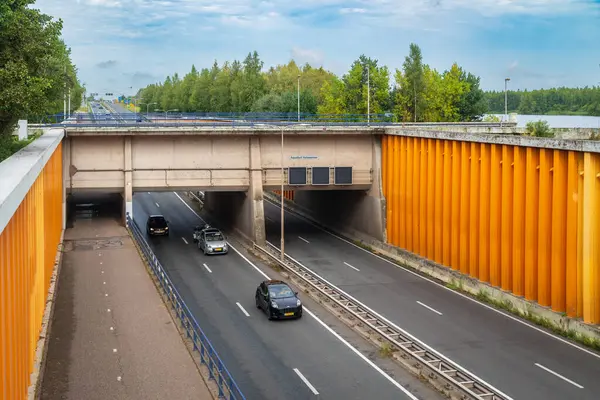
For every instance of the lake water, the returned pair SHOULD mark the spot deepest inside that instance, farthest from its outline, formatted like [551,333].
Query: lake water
[560,121]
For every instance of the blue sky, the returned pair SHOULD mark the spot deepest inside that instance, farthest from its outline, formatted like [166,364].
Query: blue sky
[118,44]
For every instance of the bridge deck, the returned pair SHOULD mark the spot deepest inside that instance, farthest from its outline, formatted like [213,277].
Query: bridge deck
[102,270]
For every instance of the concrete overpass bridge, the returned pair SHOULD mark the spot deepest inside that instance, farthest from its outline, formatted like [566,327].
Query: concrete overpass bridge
[512,216]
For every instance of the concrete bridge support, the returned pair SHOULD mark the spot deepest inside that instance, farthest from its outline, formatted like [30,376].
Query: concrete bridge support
[243,211]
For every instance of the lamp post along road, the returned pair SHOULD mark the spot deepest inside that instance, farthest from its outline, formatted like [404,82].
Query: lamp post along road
[298,97]
[506,97]
[368,95]
[282,209]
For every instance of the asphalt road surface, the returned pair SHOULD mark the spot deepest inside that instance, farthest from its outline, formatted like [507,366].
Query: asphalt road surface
[520,360]
[295,359]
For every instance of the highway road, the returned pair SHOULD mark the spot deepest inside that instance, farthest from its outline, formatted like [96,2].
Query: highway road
[295,359]
[521,360]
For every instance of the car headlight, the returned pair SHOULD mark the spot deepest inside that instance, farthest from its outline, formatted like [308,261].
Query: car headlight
[166,228]
[298,303]
[151,229]
[273,304]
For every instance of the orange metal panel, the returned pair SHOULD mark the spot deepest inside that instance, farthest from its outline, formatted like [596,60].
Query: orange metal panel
[422,203]
[591,259]
[447,203]
[464,208]
[438,198]
[456,192]
[545,227]
[27,251]
[410,193]
[507,217]
[395,191]
[532,189]
[495,213]
[519,200]
[559,226]
[484,214]
[431,200]
[571,233]
[475,207]
[401,204]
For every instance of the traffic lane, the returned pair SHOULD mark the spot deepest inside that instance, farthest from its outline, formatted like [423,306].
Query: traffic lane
[333,369]
[326,363]
[256,367]
[473,335]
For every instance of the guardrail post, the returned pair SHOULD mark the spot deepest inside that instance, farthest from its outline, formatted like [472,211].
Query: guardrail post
[220,381]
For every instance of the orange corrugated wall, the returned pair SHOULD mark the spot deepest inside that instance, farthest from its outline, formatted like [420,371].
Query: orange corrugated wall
[28,246]
[524,219]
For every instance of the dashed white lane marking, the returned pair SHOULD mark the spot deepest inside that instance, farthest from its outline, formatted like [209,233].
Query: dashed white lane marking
[208,269]
[185,241]
[243,310]
[157,205]
[353,267]
[429,308]
[301,238]
[310,386]
[559,375]
[323,324]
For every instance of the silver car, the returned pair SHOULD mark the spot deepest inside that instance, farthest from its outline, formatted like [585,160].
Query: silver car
[212,241]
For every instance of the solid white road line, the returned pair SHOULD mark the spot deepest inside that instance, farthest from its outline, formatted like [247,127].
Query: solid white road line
[323,324]
[345,263]
[310,386]
[185,241]
[208,269]
[559,375]
[390,323]
[301,238]
[429,308]
[242,308]
[157,205]
[509,316]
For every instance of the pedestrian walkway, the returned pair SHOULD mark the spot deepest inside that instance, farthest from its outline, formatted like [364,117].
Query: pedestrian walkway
[112,336]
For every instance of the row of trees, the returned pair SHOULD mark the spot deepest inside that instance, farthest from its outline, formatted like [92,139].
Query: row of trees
[35,66]
[557,101]
[421,93]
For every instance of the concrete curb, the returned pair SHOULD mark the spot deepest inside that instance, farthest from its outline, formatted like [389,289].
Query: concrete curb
[509,303]
[37,375]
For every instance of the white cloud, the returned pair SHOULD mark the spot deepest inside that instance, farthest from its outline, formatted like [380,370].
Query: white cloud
[158,37]
[302,56]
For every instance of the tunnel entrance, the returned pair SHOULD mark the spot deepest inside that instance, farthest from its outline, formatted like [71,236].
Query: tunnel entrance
[93,205]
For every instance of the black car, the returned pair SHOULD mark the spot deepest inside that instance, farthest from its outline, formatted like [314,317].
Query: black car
[278,300]
[157,225]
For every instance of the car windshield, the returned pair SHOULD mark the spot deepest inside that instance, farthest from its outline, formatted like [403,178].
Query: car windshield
[280,291]
[214,237]
[157,222]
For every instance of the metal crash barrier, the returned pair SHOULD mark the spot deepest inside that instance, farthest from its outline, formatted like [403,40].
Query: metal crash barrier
[217,371]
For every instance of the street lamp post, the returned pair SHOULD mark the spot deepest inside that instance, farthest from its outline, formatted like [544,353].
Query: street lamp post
[282,209]
[298,97]
[506,97]
[368,96]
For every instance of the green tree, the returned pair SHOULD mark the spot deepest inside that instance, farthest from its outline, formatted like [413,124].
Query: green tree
[472,104]
[35,65]
[411,81]
[539,129]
